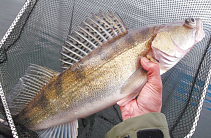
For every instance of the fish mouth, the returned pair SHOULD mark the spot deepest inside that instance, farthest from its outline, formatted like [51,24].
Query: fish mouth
[200,34]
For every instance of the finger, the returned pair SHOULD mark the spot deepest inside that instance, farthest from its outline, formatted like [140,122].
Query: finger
[153,72]
[125,112]
[150,97]
[130,110]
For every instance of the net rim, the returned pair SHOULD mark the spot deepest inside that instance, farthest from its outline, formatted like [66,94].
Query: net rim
[15,21]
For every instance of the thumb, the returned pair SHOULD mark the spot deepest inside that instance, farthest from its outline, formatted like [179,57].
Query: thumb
[153,72]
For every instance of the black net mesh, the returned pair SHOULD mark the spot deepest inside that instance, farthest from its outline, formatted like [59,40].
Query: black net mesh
[39,30]
[184,90]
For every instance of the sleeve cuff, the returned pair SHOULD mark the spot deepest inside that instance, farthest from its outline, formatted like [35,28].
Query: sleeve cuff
[131,126]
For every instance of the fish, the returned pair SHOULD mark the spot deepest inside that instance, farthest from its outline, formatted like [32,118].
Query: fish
[101,67]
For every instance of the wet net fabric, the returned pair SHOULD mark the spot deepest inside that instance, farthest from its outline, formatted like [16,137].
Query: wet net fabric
[39,31]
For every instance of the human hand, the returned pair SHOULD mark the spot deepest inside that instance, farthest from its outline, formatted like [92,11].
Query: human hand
[150,96]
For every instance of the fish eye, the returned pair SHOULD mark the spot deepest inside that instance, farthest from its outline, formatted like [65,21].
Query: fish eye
[192,19]
[190,22]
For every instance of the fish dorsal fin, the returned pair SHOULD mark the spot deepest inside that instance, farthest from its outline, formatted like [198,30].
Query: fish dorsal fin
[29,86]
[93,32]
[69,130]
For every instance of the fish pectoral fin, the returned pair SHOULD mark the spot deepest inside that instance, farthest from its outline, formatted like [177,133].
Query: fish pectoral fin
[133,85]
[127,99]
[92,33]
[28,86]
[68,130]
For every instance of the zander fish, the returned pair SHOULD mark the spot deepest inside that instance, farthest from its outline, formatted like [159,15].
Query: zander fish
[101,67]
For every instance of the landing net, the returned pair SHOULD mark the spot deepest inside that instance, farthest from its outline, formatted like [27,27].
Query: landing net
[39,31]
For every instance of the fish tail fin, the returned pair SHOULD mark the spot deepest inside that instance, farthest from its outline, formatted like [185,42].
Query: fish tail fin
[93,32]
[68,130]
[28,86]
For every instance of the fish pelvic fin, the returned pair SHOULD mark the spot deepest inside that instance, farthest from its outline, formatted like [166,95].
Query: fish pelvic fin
[133,85]
[28,86]
[68,130]
[93,32]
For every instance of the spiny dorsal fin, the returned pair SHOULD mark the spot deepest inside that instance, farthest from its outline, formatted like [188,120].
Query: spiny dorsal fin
[93,32]
[29,86]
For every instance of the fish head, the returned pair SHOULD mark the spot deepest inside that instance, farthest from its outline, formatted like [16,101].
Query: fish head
[174,40]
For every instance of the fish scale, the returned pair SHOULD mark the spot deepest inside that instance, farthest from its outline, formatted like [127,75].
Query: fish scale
[101,67]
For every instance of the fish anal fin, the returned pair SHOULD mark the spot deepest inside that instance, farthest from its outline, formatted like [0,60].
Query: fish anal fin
[133,86]
[68,130]
[28,86]
[93,32]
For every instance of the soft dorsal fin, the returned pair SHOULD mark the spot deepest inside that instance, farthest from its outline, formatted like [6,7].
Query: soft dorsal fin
[29,86]
[93,32]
